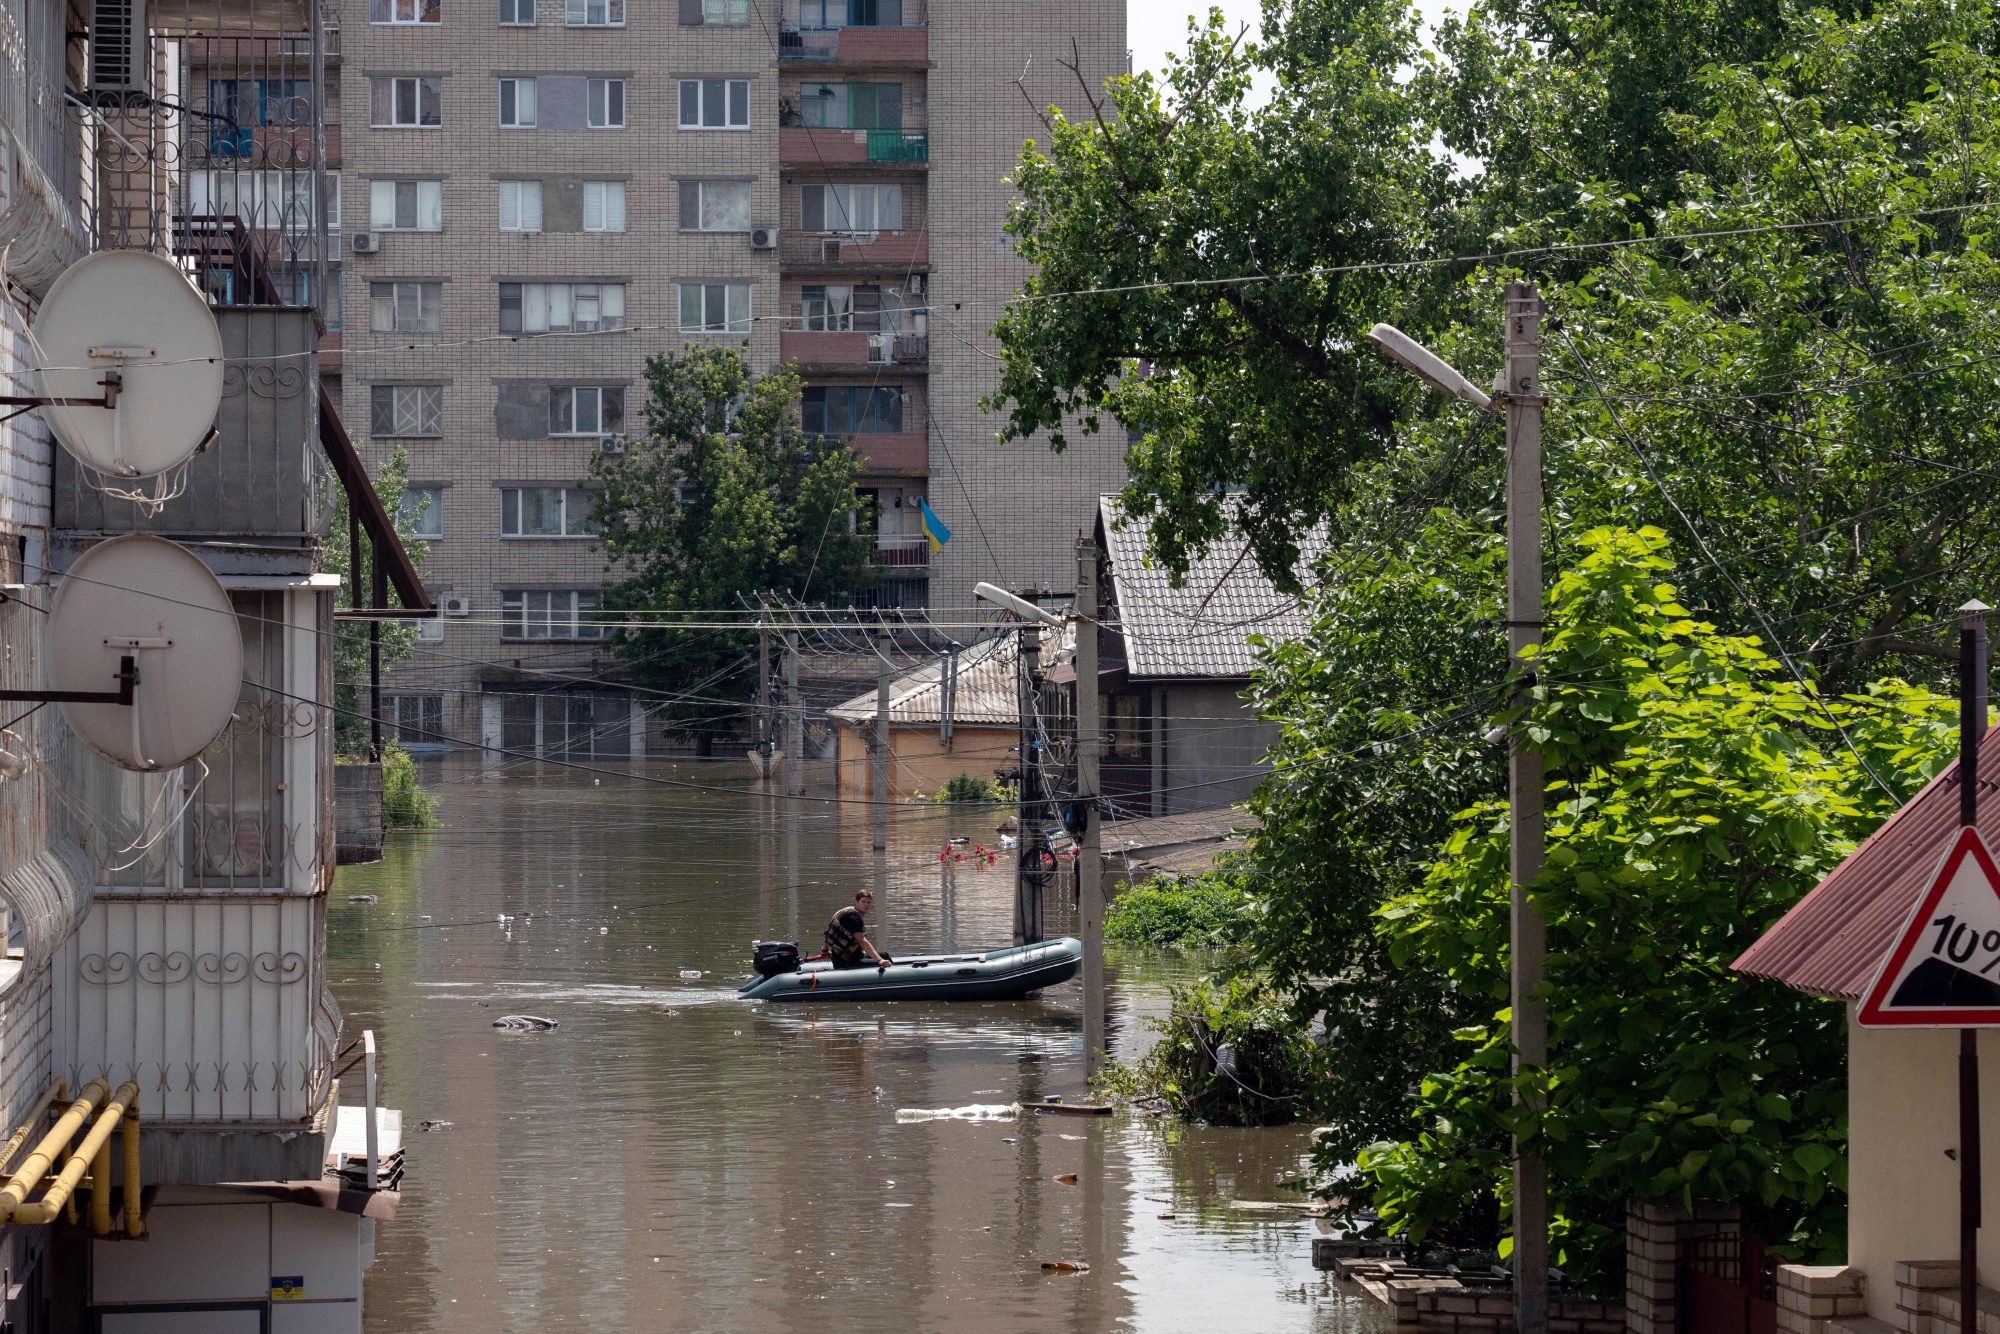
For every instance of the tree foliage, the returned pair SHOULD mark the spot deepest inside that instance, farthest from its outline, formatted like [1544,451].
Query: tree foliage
[723,499]
[1696,792]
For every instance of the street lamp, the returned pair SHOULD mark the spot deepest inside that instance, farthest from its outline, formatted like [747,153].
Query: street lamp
[1518,394]
[1021,607]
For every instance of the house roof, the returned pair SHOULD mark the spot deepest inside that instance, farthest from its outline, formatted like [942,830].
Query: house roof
[1199,629]
[1834,938]
[984,696]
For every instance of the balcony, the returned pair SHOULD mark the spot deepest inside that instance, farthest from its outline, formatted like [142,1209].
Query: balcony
[901,45]
[884,455]
[813,146]
[898,252]
[901,555]
[854,348]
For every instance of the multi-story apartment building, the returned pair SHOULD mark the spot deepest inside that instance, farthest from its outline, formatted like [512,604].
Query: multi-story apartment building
[546,192]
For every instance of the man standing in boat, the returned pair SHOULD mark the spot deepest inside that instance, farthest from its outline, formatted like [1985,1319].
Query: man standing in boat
[847,942]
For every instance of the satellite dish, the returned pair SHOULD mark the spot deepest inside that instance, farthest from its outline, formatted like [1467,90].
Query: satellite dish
[151,600]
[132,318]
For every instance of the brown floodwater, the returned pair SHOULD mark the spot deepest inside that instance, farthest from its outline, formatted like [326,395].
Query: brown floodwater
[673,1158]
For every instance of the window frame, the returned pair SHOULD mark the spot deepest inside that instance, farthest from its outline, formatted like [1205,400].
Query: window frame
[520,191]
[700,87]
[434,511]
[570,7]
[420,8]
[605,190]
[508,89]
[427,409]
[608,410]
[429,294]
[521,293]
[738,325]
[828,194]
[420,85]
[417,193]
[604,96]
[517,6]
[700,211]
[515,611]
[736,13]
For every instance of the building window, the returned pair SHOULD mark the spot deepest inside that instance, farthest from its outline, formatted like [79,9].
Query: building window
[827,309]
[404,11]
[604,206]
[520,206]
[852,106]
[262,200]
[851,410]
[517,103]
[715,308]
[405,409]
[715,104]
[850,13]
[579,725]
[564,613]
[430,630]
[422,512]
[545,511]
[561,307]
[715,206]
[405,102]
[586,410]
[517,13]
[725,13]
[406,206]
[851,208]
[418,718]
[404,307]
[594,13]
[295,288]
[607,104]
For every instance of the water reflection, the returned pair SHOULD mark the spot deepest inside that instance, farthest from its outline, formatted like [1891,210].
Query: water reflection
[673,1158]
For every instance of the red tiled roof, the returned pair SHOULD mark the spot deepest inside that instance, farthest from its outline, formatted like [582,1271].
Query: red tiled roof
[1833,939]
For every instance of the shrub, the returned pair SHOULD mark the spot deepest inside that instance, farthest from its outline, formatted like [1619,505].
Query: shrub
[1229,1054]
[1184,912]
[405,804]
[966,788]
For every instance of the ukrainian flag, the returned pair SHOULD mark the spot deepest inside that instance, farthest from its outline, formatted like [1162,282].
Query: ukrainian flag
[934,527]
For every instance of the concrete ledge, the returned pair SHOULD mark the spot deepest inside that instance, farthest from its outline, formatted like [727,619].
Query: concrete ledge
[198,1155]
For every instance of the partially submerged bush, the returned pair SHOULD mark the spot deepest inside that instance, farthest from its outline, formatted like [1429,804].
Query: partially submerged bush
[1230,1054]
[405,804]
[1184,912]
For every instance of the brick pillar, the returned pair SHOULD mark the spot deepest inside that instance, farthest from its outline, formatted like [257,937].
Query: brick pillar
[1810,1297]
[1654,1231]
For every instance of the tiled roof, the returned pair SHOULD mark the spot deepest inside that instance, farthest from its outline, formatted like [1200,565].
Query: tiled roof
[985,694]
[1834,938]
[1198,629]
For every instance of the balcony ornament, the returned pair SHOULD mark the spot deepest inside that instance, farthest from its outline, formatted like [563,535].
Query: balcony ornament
[131,361]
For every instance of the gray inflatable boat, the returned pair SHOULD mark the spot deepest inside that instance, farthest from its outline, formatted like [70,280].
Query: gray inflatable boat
[1007,974]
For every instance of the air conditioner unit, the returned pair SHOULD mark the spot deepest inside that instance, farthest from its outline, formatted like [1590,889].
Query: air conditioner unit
[120,59]
[367,243]
[456,606]
[918,284]
[763,238]
[611,444]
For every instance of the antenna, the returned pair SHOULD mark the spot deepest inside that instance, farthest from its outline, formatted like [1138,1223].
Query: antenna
[145,614]
[131,363]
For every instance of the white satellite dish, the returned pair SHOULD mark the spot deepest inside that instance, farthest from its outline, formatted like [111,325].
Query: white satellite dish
[129,318]
[151,600]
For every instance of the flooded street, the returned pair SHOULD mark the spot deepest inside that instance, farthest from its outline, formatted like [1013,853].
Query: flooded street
[673,1158]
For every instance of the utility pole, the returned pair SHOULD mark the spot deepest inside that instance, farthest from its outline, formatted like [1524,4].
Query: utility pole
[1521,397]
[1028,874]
[795,717]
[947,696]
[1089,864]
[880,773]
[1971,727]
[764,728]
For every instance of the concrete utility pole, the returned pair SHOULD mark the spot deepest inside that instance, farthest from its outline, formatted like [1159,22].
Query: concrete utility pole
[795,718]
[764,728]
[947,696]
[1971,727]
[1089,864]
[1521,398]
[1027,802]
[880,774]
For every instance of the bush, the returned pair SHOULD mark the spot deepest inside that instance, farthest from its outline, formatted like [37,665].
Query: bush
[1185,912]
[405,805]
[1229,1054]
[966,788]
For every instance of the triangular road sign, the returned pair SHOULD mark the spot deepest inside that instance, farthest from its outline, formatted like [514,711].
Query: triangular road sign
[1944,971]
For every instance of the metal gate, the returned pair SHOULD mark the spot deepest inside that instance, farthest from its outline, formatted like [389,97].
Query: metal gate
[1726,1287]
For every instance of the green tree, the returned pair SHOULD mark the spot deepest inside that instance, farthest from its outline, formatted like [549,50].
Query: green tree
[725,498]
[1695,793]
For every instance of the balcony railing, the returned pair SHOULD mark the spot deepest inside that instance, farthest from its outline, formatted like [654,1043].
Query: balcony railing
[907,555]
[898,349]
[898,146]
[899,251]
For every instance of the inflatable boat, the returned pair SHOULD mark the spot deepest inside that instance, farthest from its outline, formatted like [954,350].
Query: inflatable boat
[1007,974]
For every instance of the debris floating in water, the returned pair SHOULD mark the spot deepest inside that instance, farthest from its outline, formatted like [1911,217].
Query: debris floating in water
[364,898]
[1067,1178]
[434,1125]
[690,974]
[1065,1267]
[533,1023]
[978,1111]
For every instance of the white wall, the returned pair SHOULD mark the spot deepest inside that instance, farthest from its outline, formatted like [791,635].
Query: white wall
[1902,1117]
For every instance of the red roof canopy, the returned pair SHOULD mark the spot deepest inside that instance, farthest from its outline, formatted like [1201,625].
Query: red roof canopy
[1833,939]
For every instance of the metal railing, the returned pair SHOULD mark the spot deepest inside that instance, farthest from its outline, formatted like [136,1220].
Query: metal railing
[898,349]
[899,146]
[907,555]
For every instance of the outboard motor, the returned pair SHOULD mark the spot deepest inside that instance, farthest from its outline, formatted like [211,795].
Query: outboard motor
[772,957]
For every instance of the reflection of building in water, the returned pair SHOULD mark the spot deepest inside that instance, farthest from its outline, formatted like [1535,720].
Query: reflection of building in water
[167,929]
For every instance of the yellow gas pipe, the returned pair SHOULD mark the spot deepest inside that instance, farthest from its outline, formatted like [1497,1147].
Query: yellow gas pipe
[36,1165]
[58,1092]
[94,1151]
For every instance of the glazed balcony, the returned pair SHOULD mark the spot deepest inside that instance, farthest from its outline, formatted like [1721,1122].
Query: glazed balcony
[899,252]
[814,348]
[855,32]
